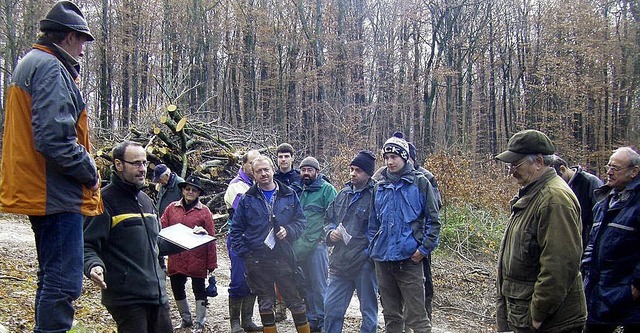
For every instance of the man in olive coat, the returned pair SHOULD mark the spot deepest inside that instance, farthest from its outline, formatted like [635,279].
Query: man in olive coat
[539,282]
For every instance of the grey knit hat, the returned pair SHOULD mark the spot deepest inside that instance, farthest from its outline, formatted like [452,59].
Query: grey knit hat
[66,16]
[310,162]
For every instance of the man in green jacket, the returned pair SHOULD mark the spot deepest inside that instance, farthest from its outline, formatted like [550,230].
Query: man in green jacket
[539,284]
[310,250]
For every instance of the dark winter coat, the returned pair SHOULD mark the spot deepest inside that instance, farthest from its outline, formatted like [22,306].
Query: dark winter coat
[252,222]
[123,240]
[352,209]
[290,178]
[584,185]
[612,258]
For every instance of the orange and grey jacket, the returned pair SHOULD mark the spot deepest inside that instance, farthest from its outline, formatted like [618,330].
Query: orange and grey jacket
[46,163]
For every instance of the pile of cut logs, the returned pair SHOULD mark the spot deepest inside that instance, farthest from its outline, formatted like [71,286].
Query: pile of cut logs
[193,147]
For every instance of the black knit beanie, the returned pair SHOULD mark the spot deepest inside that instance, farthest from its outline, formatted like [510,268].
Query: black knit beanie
[366,161]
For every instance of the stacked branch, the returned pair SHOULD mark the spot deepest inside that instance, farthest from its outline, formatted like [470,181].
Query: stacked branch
[190,146]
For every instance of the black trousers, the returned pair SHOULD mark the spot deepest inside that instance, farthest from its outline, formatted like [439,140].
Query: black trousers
[142,318]
[178,282]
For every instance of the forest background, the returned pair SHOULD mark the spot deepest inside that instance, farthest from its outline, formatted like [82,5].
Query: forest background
[331,77]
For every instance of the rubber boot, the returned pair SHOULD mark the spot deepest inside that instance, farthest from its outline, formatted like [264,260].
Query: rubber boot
[201,316]
[235,306]
[185,314]
[270,329]
[268,322]
[281,308]
[300,320]
[281,311]
[304,328]
[247,314]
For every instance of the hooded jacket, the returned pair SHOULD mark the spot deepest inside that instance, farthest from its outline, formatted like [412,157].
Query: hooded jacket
[352,209]
[402,220]
[539,259]
[612,258]
[314,199]
[46,163]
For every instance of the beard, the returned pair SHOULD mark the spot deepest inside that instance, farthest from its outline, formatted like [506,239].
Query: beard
[308,180]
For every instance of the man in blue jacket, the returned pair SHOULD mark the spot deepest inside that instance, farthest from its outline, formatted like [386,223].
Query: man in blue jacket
[402,233]
[612,257]
[267,220]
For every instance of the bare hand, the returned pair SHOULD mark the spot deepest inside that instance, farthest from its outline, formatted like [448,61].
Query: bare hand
[282,233]
[635,292]
[200,230]
[417,256]
[536,324]
[335,236]
[97,276]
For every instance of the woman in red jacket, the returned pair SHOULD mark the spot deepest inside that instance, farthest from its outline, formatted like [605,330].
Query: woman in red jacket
[195,263]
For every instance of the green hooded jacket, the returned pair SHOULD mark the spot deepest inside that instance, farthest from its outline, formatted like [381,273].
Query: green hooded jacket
[314,199]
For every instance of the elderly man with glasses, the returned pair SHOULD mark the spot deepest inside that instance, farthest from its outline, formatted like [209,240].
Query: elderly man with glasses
[612,257]
[539,283]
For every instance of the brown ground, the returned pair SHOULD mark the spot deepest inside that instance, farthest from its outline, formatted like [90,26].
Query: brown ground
[463,291]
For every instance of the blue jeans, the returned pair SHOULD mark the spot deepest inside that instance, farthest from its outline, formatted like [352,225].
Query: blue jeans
[401,285]
[59,246]
[238,287]
[316,270]
[339,293]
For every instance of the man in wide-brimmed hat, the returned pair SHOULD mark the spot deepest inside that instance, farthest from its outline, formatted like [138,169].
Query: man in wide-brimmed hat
[47,169]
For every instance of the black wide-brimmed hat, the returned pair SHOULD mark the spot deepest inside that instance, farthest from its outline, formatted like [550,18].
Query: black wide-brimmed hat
[193,181]
[66,16]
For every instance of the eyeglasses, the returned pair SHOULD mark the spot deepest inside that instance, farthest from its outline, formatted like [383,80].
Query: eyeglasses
[616,168]
[515,167]
[137,164]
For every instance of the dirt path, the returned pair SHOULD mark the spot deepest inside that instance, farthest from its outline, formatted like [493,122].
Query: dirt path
[462,302]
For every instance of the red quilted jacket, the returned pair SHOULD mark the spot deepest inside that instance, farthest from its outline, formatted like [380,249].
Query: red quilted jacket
[196,262]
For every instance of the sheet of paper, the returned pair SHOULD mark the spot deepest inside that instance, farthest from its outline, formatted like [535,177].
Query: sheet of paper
[184,237]
[345,235]
[270,241]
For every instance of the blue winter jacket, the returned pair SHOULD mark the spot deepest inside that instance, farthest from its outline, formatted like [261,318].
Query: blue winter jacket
[401,222]
[252,222]
[612,258]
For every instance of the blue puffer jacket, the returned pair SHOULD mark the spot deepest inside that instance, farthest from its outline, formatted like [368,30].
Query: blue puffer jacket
[252,223]
[612,258]
[401,222]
